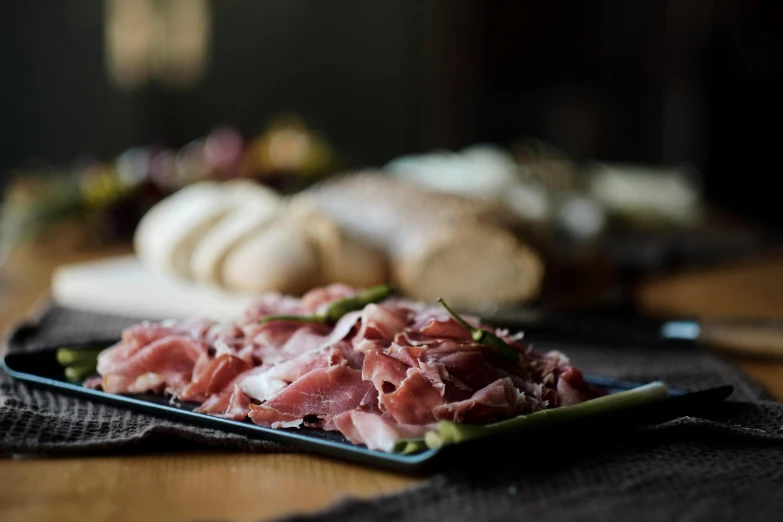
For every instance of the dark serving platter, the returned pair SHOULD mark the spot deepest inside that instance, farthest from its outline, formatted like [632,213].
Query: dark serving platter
[41,368]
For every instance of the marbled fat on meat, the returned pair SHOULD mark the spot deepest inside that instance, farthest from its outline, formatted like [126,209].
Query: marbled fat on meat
[323,393]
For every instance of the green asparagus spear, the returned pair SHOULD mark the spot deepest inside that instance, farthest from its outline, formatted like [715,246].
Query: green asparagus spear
[451,432]
[79,363]
[334,311]
[484,337]
[410,446]
[68,356]
[79,372]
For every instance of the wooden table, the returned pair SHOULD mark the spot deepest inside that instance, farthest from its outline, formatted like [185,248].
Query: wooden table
[225,486]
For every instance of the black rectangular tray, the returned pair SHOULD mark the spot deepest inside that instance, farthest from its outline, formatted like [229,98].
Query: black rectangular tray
[41,368]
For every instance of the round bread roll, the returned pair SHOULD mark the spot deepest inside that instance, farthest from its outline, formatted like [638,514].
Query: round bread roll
[255,209]
[281,257]
[169,231]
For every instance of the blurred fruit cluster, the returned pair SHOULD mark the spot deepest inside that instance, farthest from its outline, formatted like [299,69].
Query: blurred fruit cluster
[109,197]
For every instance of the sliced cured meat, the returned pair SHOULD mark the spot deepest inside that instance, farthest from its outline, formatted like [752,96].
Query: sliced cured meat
[495,401]
[410,355]
[264,385]
[322,393]
[471,368]
[175,353]
[145,382]
[272,303]
[413,401]
[133,339]
[306,339]
[571,388]
[167,362]
[385,372]
[374,431]
[370,403]
[382,322]
[196,327]
[343,328]
[355,359]
[316,299]
[218,374]
[422,315]
[379,325]
[280,341]
[440,328]
[273,334]
[94,383]
[388,371]
[230,404]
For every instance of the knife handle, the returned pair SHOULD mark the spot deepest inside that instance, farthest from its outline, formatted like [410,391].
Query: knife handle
[755,337]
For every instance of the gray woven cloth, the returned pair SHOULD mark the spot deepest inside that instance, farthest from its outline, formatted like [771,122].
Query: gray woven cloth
[726,464]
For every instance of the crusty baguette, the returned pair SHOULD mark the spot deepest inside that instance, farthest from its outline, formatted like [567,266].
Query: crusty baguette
[439,245]
[472,266]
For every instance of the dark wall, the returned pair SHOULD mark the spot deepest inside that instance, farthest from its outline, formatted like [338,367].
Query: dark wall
[654,81]
[350,68]
[56,102]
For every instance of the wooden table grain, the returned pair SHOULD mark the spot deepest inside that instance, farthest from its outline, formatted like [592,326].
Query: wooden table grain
[248,487]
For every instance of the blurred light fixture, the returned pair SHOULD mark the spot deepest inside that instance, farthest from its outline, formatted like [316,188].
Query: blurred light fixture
[167,40]
[129,33]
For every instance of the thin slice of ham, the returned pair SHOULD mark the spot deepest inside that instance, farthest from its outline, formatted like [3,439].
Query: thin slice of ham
[280,341]
[471,368]
[414,400]
[166,362]
[133,339]
[571,388]
[495,401]
[318,298]
[376,432]
[218,374]
[342,328]
[264,385]
[273,303]
[448,328]
[231,404]
[322,393]
[382,322]
[384,371]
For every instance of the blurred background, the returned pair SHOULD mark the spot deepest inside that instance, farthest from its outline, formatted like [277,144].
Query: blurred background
[109,105]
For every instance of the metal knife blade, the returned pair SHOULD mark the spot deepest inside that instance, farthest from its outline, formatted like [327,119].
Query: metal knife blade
[756,337]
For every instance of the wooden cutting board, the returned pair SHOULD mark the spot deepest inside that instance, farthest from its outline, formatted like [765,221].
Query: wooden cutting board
[122,286]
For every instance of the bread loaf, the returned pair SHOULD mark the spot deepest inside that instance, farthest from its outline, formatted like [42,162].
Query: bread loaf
[255,209]
[187,234]
[281,257]
[343,259]
[439,245]
[167,235]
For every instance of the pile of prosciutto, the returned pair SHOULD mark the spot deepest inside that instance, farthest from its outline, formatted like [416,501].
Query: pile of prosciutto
[387,372]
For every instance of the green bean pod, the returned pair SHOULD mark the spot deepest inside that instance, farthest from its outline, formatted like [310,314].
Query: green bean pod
[484,337]
[334,311]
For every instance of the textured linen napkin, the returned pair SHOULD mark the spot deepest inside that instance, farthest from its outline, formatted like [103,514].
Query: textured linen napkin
[725,465]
